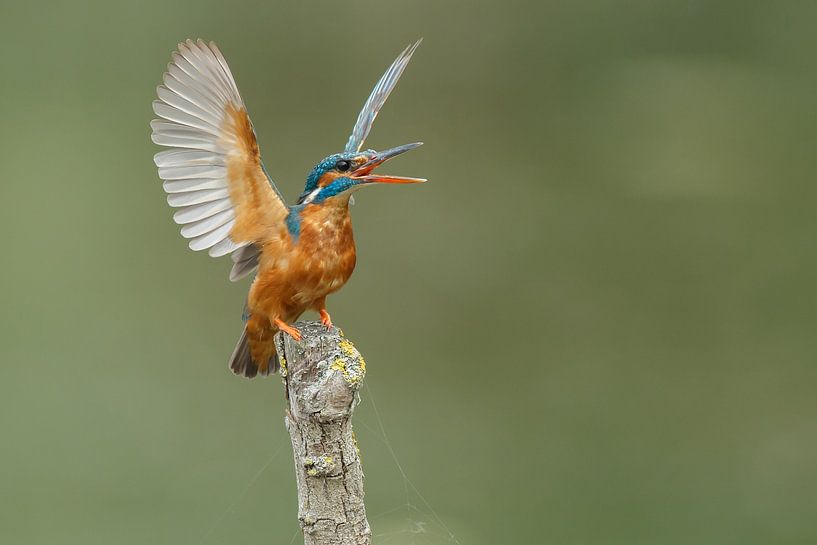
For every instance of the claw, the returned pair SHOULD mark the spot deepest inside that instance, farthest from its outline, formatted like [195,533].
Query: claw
[326,320]
[288,329]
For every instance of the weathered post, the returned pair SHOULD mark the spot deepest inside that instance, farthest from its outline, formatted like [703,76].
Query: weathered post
[322,374]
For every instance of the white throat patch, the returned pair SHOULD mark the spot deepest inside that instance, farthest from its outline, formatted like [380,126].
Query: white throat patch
[311,197]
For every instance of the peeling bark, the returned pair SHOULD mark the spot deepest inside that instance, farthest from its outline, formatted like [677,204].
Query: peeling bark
[322,374]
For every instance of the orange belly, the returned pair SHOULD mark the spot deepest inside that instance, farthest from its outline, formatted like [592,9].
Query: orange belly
[291,286]
[299,276]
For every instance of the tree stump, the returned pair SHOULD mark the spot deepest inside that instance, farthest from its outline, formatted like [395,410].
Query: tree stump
[322,374]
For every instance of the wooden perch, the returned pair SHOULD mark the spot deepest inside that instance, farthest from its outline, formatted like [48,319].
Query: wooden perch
[322,374]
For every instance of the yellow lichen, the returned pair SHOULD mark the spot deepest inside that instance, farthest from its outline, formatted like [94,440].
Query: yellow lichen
[348,348]
[324,465]
[319,466]
[354,442]
[353,370]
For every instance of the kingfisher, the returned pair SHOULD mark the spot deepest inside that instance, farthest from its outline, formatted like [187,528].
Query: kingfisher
[227,202]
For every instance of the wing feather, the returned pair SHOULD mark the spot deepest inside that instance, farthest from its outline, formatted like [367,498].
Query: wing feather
[198,212]
[211,238]
[192,171]
[198,228]
[181,103]
[189,198]
[180,117]
[176,158]
[192,184]
[245,261]
[191,142]
[384,86]
[212,172]
[224,247]
[192,96]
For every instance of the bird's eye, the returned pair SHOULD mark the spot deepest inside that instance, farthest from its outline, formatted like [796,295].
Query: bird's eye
[343,165]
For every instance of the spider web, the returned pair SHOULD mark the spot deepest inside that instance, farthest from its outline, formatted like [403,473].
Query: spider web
[413,522]
[231,509]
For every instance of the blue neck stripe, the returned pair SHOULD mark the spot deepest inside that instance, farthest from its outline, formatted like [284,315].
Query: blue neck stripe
[294,221]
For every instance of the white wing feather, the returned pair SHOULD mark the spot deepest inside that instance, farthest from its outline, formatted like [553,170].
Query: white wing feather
[197,93]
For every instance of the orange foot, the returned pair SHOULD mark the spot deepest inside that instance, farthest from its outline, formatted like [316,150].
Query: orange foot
[326,319]
[288,329]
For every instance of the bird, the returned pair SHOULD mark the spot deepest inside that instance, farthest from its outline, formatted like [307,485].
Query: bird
[227,203]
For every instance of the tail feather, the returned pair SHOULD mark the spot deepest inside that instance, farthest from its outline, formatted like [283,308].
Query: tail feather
[242,364]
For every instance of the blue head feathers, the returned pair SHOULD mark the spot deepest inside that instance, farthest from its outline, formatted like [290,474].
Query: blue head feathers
[329,164]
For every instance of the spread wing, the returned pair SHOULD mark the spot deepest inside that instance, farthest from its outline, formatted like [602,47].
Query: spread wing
[213,172]
[380,93]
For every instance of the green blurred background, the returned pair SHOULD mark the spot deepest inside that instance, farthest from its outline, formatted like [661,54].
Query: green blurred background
[596,325]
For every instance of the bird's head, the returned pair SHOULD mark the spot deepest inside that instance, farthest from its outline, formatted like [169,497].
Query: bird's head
[340,174]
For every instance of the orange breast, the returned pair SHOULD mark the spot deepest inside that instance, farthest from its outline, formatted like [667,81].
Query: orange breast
[297,274]
[324,256]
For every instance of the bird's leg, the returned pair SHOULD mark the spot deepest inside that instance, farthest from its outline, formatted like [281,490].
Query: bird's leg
[326,319]
[320,306]
[288,329]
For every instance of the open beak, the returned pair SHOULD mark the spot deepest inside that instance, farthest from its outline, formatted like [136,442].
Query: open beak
[363,172]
